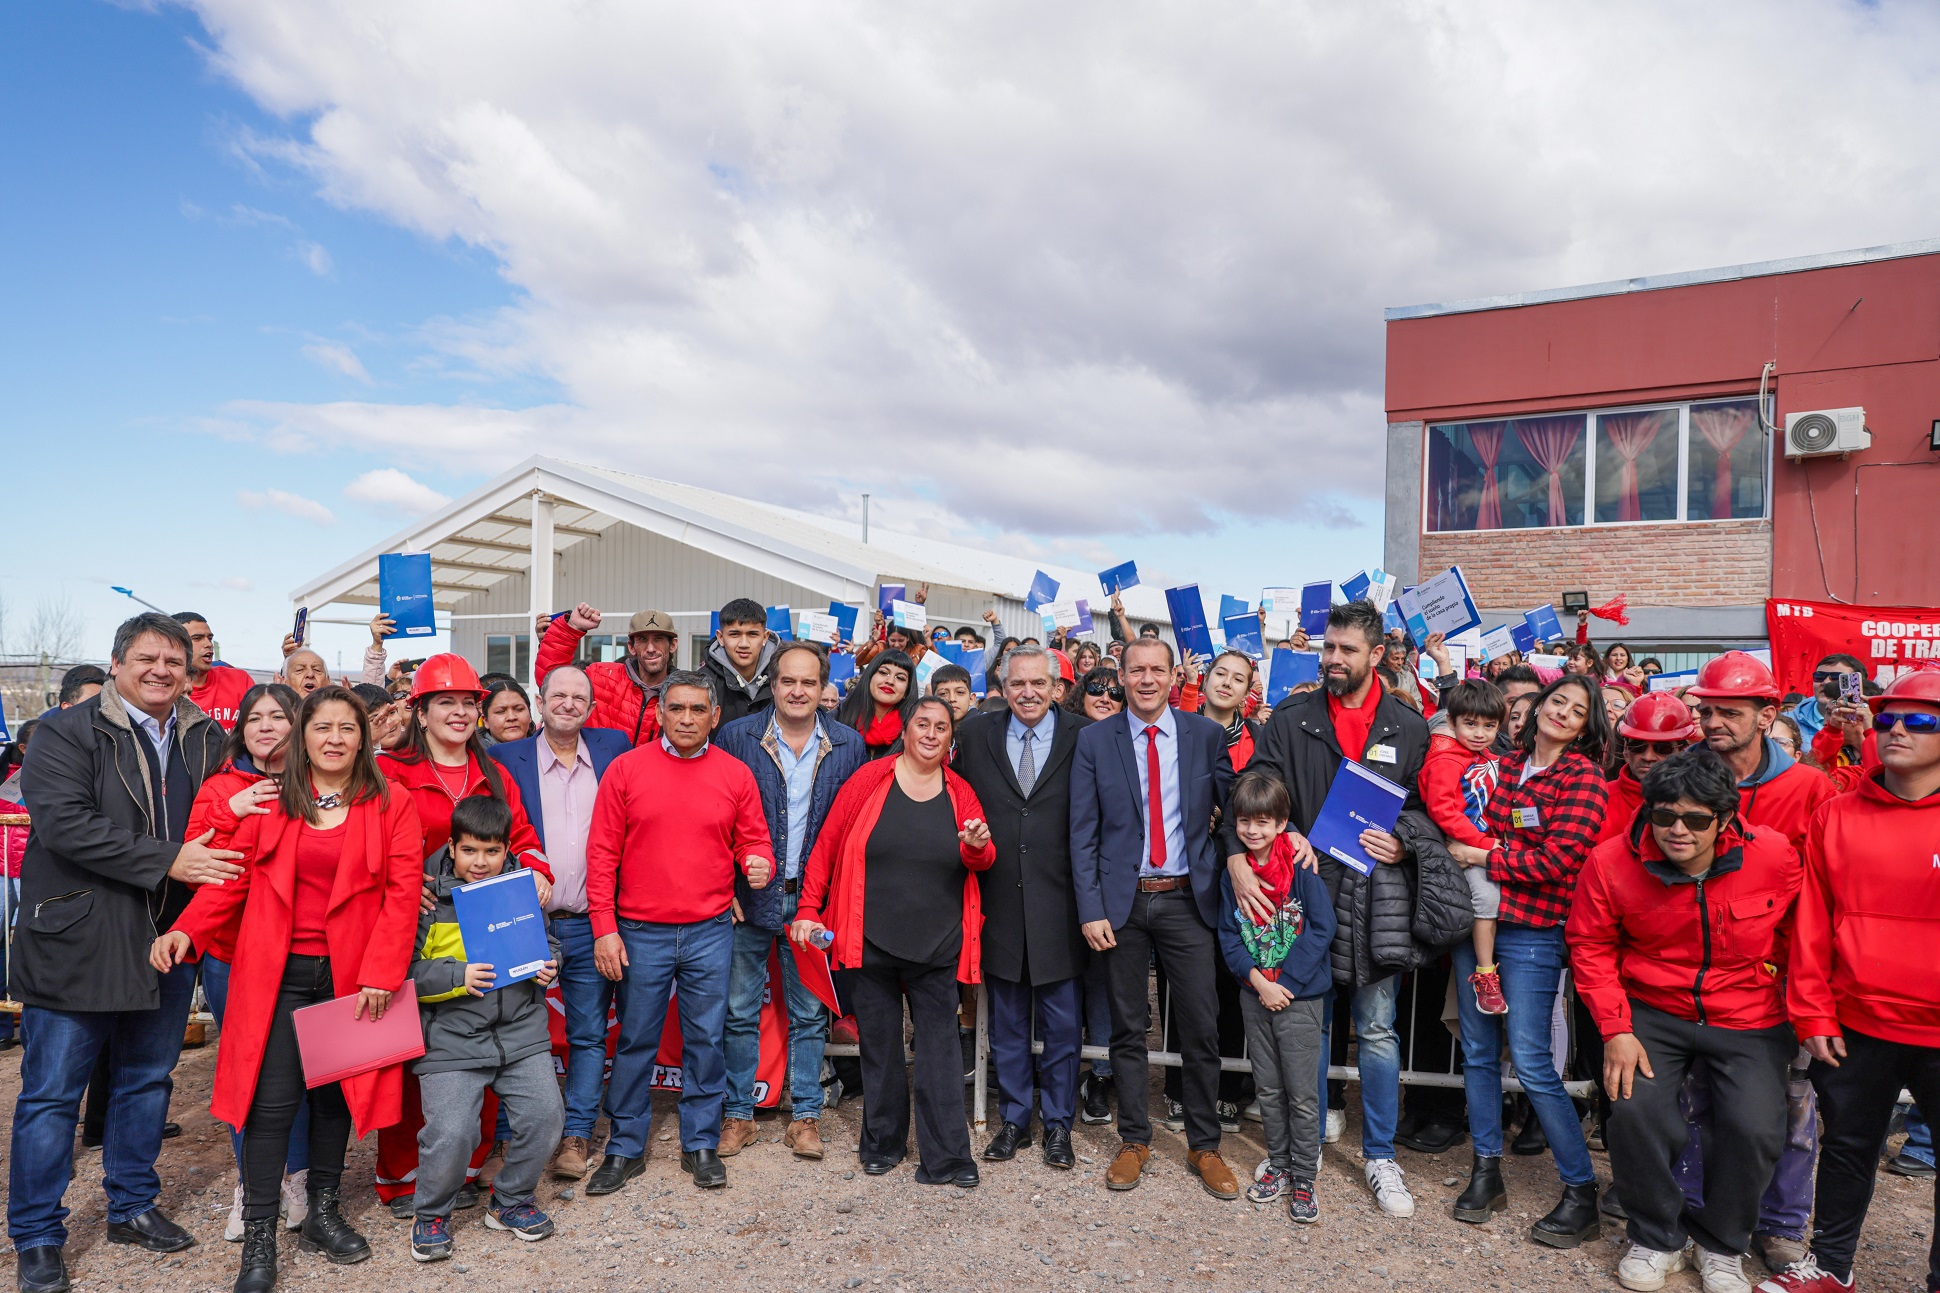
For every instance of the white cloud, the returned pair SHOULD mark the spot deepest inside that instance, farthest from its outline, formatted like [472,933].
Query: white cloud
[337,357]
[389,489]
[277,500]
[1101,266]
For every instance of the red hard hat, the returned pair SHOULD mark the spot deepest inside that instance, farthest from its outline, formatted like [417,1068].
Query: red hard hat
[445,672]
[1734,675]
[1658,716]
[1922,685]
[1064,665]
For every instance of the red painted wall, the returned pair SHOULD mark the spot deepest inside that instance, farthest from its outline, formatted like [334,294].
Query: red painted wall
[1851,335]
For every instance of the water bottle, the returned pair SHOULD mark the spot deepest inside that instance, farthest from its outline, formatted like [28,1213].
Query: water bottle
[824,939]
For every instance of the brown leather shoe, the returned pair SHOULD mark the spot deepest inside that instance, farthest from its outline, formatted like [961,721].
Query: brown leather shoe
[569,1163]
[804,1136]
[735,1133]
[1128,1166]
[1214,1174]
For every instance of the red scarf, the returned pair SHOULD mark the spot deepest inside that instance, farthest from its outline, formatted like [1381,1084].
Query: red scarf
[884,731]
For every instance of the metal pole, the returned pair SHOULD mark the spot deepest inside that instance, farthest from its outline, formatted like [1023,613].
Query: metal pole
[540,582]
[865,518]
[982,1098]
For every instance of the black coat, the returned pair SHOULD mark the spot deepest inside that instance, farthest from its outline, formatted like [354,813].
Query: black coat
[1030,909]
[94,886]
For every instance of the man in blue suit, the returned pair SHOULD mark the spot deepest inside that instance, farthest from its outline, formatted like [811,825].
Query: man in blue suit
[558,772]
[1146,790]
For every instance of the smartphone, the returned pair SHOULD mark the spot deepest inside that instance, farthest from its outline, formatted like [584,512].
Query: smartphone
[302,622]
[1852,687]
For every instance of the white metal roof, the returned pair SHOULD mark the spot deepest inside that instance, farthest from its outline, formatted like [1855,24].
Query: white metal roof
[1655,282]
[486,536]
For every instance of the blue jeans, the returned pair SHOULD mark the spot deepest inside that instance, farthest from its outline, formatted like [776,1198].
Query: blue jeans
[215,986]
[690,963]
[1097,986]
[1379,1061]
[59,1056]
[1919,1137]
[808,1026]
[1531,963]
[588,995]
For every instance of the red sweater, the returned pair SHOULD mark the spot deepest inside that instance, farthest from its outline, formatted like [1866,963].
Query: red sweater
[667,835]
[1869,919]
[1455,784]
[220,695]
[431,796]
[1706,951]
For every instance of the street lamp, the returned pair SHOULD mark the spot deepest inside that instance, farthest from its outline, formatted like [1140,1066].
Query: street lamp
[130,594]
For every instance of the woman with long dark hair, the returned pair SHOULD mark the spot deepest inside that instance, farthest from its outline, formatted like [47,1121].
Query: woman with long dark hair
[892,877]
[508,711]
[326,907]
[880,700]
[1545,816]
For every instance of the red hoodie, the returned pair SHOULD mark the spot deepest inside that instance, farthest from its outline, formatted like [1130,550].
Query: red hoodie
[1704,950]
[1626,797]
[1869,920]
[1786,802]
[1455,784]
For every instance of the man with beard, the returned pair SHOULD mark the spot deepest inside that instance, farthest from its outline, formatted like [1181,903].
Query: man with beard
[626,693]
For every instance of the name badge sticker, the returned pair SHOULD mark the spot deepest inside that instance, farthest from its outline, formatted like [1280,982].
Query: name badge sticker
[1524,819]
[1380,753]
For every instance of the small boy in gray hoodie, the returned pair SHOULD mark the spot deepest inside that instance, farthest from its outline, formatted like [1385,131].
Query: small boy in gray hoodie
[474,1038]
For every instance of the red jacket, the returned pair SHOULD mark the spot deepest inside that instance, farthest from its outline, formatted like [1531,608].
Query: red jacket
[667,835]
[210,811]
[418,779]
[1455,784]
[1829,750]
[1785,802]
[1561,813]
[1620,813]
[1706,950]
[220,695]
[372,928]
[619,700]
[1868,924]
[837,874]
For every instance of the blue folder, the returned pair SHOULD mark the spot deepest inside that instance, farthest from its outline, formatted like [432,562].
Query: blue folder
[1290,668]
[1316,601]
[1543,623]
[404,592]
[1118,578]
[888,593]
[503,926]
[1525,637]
[841,668]
[1189,620]
[845,618]
[1044,590]
[1229,606]
[1357,800]
[781,623]
[1356,587]
[1243,634]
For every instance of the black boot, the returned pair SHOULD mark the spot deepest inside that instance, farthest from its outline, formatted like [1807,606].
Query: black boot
[1531,1140]
[1572,1220]
[325,1230]
[258,1273]
[1485,1192]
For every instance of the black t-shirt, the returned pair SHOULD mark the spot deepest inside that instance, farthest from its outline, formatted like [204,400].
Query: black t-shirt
[912,906]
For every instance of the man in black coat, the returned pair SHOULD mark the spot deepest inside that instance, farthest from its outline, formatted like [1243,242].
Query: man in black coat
[1018,760]
[109,785]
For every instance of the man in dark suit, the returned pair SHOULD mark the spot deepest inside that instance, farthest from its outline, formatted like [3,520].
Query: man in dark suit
[557,771]
[1018,760]
[1145,790]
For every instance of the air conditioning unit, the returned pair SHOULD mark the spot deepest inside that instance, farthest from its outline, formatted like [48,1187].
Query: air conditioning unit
[1826,431]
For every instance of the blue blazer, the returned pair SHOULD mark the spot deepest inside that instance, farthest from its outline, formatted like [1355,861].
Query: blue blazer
[1108,824]
[520,759]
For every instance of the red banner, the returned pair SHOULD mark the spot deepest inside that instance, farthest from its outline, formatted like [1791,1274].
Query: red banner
[1888,640]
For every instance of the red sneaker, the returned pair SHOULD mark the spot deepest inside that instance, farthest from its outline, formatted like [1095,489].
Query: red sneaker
[1805,1277]
[1488,992]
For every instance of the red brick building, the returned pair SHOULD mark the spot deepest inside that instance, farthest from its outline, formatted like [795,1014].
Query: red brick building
[1610,438]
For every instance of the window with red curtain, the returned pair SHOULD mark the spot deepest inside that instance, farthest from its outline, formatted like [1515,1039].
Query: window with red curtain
[1636,466]
[1512,474]
[1728,455]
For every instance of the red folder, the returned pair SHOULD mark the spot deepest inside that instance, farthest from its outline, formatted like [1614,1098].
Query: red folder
[812,964]
[335,1044]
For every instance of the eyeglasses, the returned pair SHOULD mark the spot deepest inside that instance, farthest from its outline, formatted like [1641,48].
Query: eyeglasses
[1923,724]
[1668,818]
[1100,689]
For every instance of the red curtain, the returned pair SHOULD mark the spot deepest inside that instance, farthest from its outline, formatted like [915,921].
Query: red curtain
[1722,427]
[1549,441]
[1487,439]
[1630,435]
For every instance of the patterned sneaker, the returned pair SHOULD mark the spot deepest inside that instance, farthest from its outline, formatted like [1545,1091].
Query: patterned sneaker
[1175,1115]
[1488,992]
[430,1239]
[1269,1183]
[524,1221]
[1302,1209]
[1228,1114]
[1805,1276]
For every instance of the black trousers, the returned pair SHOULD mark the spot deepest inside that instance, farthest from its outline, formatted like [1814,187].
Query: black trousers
[1647,1132]
[1168,925]
[942,1128]
[1855,1103]
[280,1093]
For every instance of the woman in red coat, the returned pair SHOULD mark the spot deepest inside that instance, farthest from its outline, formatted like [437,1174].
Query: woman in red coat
[326,906]
[891,874]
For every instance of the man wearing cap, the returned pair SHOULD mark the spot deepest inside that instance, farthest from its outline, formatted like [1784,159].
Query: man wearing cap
[1737,701]
[1655,727]
[1864,985]
[626,693]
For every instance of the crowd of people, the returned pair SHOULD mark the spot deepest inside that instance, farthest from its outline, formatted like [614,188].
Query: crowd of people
[1720,884]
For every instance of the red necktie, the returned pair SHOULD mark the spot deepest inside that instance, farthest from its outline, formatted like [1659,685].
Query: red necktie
[1154,802]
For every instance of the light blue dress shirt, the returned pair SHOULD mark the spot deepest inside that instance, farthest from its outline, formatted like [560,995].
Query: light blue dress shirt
[1168,752]
[1016,734]
[798,774]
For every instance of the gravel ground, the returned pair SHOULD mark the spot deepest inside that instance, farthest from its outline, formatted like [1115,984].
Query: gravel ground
[787,1225]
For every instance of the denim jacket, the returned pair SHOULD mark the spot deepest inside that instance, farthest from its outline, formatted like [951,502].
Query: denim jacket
[753,741]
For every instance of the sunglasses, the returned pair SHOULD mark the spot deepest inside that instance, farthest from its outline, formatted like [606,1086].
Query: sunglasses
[1666,818]
[1100,689]
[1923,724]
[1827,675]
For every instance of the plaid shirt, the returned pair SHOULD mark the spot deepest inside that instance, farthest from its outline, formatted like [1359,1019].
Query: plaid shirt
[1536,864]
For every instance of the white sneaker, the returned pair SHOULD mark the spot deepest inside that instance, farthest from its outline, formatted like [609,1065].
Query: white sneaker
[1646,1269]
[1390,1191]
[233,1232]
[1336,1124]
[1722,1272]
[296,1200]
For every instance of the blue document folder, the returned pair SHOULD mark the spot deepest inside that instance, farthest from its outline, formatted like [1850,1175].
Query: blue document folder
[888,593]
[1189,620]
[1316,600]
[1357,800]
[781,623]
[845,617]
[404,592]
[841,668]
[1523,636]
[1356,587]
[1543,623]
[1243,634]
[503,926]
[1230,606]
[1289,669]
[1119,578]
[1044,591]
